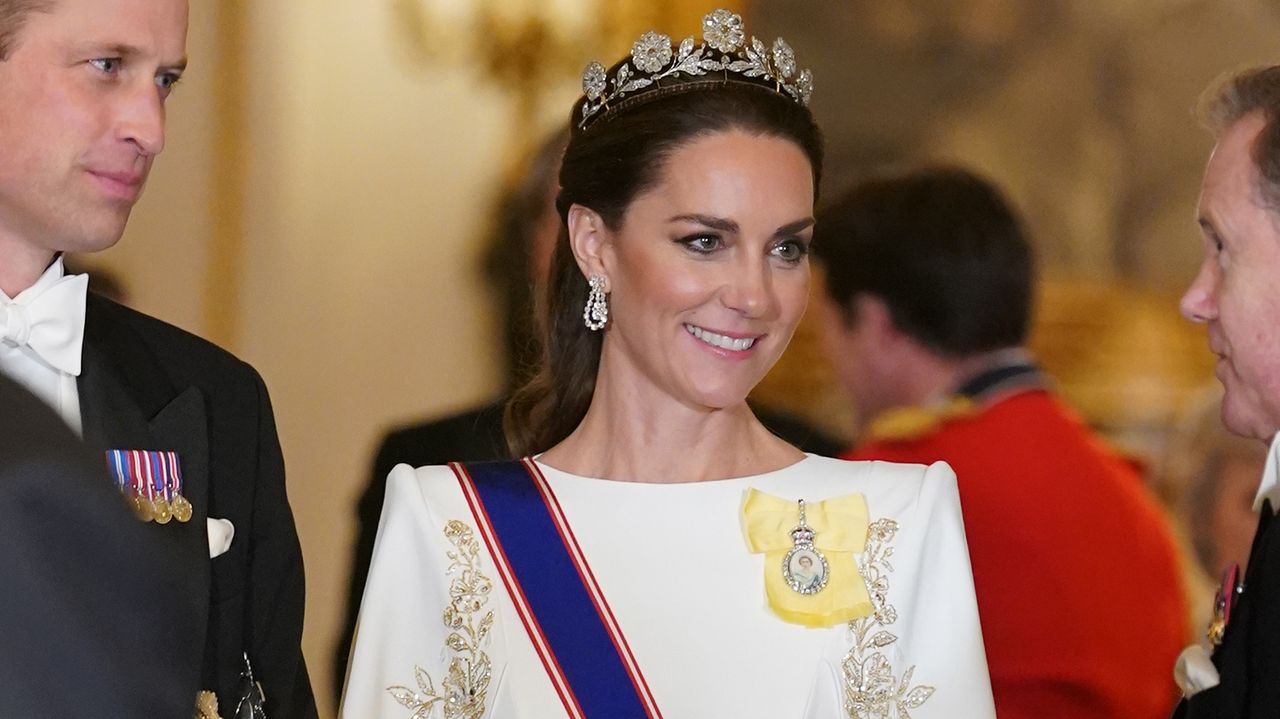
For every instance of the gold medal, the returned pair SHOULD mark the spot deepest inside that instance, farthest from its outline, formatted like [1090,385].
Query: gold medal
[153,506]
[1217,628]
[163,512]
[141,508]
[181,508]
[1223,603]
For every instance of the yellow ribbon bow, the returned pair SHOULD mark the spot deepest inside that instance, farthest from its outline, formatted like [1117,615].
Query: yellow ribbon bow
[840,531]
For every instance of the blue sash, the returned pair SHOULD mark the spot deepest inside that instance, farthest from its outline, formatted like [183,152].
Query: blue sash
[566,615]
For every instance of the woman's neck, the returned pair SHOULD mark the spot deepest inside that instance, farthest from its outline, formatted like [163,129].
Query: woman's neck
[630,434]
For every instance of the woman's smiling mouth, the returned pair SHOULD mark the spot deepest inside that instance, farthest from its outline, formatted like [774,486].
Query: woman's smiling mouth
[715,339]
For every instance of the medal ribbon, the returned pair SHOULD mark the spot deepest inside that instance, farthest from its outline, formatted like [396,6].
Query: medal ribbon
[840,524]
[570,624]
[152,481]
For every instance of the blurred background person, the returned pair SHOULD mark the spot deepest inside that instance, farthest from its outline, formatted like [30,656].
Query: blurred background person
[929,285]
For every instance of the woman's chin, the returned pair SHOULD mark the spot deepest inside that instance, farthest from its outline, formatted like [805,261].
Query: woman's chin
[721,398]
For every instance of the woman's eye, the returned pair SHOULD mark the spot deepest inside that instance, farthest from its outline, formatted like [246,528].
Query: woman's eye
[791,250]
[704,244]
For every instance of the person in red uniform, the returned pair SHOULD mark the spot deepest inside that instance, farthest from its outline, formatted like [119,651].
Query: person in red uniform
[927,305]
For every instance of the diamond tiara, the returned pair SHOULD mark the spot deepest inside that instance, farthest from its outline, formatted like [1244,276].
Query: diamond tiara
[724,50]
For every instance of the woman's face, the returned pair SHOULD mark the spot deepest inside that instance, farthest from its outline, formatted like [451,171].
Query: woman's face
[709,273]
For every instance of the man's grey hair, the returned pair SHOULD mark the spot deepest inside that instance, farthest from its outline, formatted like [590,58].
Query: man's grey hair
[1237,95]
[13,13]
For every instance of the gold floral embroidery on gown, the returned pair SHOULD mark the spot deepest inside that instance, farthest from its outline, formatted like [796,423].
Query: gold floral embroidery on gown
[463,690]
[872,689]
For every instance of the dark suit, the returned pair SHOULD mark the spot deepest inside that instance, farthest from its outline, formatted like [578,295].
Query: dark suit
[91,598]
[1248,660]
[148,385]
[475,436]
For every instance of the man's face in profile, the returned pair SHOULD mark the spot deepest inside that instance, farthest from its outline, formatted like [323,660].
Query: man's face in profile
[1236,292]
[82,96]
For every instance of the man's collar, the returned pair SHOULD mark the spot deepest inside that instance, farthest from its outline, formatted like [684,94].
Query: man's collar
[1009,371]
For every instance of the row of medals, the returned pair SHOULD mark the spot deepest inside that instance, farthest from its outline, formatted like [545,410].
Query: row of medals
[161,510]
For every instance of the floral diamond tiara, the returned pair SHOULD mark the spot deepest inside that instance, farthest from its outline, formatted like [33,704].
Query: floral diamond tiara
[724,50]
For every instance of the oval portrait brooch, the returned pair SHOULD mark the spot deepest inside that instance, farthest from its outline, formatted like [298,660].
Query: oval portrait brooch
[804,568]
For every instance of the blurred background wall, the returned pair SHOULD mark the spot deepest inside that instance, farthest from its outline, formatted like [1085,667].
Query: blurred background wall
[332,165]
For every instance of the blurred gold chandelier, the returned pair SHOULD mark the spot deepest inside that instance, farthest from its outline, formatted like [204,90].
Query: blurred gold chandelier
[519,44]
[530,46]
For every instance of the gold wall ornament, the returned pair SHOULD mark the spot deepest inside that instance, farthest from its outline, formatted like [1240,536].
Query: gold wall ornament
[228,180]
[523,47]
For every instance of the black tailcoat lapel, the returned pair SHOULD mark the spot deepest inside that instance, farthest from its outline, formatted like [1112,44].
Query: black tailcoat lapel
[149,385]
[127,401]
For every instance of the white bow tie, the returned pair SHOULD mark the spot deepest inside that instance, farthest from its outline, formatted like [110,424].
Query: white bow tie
[51,323]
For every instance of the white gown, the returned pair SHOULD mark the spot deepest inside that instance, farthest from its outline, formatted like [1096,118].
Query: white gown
[674,565]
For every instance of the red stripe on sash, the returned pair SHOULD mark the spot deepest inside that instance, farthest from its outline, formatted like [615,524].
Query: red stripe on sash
[516,592]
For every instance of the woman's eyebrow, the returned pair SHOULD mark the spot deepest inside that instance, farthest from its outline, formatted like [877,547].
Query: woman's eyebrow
[715,223]
[792,228]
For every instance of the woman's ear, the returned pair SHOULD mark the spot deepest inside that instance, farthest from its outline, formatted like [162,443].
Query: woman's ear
[589,239]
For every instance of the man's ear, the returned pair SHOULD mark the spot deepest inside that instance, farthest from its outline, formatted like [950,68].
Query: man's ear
[591,242]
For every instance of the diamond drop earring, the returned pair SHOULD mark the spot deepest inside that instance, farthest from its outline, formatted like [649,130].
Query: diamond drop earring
[596,314]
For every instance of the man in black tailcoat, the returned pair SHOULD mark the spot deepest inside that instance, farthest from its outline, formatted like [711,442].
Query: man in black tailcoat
[1237,295]
[83,84]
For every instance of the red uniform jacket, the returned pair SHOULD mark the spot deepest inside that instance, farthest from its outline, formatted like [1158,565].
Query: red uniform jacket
[1075,569]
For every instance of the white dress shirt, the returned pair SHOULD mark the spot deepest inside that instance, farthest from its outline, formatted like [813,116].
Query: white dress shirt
[1269,486]
[56,387]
